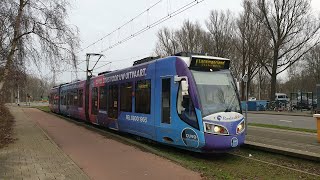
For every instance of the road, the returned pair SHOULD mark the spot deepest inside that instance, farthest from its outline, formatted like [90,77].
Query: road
[283,120]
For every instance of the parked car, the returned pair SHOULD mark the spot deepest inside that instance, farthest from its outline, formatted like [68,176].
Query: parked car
[281,97]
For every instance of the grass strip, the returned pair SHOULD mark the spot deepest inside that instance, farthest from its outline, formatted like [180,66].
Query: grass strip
[43,108]
[283,127]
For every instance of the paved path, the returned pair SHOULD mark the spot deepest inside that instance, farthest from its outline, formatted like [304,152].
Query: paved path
[102,158]
[33,155]
[293,142]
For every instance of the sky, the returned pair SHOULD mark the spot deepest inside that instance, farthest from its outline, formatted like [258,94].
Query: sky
[96,19]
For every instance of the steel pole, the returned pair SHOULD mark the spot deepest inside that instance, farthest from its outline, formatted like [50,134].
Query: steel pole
[246,114]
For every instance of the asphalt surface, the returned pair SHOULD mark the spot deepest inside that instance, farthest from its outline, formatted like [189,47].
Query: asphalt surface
[283,120]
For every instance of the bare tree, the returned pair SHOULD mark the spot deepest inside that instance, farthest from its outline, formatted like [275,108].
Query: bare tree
[252,42]
[167,44]
[36,31]
[293,31]
[312,64]
[189,37]
[221,28]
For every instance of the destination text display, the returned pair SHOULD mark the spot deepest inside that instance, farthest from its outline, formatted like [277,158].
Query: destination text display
[209,63]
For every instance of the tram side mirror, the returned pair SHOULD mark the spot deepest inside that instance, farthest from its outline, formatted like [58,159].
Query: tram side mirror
[185,101]
[238,86]
[184,87]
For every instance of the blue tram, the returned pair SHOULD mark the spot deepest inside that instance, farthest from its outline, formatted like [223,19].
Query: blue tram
[187,101]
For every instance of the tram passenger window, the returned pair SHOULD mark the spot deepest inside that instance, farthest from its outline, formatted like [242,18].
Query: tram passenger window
[80,98]
[186,110]
[143,96]
[126,97]
[62,100]
[103,98]
[94,101]
[71,98]
[113,102]
[68,99]
[54,98]
[75,97]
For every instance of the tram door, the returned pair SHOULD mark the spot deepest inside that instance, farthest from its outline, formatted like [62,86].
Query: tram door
[167,133]
[113,110]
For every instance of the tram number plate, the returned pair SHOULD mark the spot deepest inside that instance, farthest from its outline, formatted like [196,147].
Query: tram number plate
[234,142]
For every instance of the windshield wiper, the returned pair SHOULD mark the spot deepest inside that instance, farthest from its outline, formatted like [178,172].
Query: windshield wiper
[231,103]
[233,98]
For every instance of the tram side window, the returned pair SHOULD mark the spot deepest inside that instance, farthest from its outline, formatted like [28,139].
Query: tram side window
[68,98]
[71,98]
[143,96]
[103,98]
[113,102]
[166,85]
[126,97]
[80,98]
[54,98]
[75,103]
[94,102]
[62,99]
[186,110]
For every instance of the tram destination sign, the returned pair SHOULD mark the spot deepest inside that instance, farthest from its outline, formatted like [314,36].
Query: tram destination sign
[202,63]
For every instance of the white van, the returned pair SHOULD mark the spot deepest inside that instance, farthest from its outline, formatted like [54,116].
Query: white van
[281,97]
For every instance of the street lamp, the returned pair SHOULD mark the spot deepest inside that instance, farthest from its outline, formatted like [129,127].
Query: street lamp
[245,80]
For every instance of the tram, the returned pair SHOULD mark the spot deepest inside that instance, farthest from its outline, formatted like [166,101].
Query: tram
[188,101]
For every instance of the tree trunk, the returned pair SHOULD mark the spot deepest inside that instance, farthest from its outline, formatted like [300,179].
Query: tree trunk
[274,76]
[243,71]
[14,43]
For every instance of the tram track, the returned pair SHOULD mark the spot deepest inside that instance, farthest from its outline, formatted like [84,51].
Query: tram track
[273,164]
[149,146]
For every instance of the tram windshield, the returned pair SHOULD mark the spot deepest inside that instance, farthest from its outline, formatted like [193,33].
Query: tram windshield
[217,92]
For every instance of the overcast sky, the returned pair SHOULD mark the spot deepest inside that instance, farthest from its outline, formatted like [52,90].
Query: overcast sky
[97,18]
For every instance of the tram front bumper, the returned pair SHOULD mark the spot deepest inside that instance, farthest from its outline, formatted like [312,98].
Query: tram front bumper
[215,142]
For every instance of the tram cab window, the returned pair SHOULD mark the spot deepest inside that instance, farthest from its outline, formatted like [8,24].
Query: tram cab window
[166,91]
[186,110]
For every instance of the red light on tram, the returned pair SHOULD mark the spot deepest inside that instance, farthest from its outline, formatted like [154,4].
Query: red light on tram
[222,130]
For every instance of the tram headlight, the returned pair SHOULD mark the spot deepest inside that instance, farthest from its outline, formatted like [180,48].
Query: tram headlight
[240,127]
[215,129]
